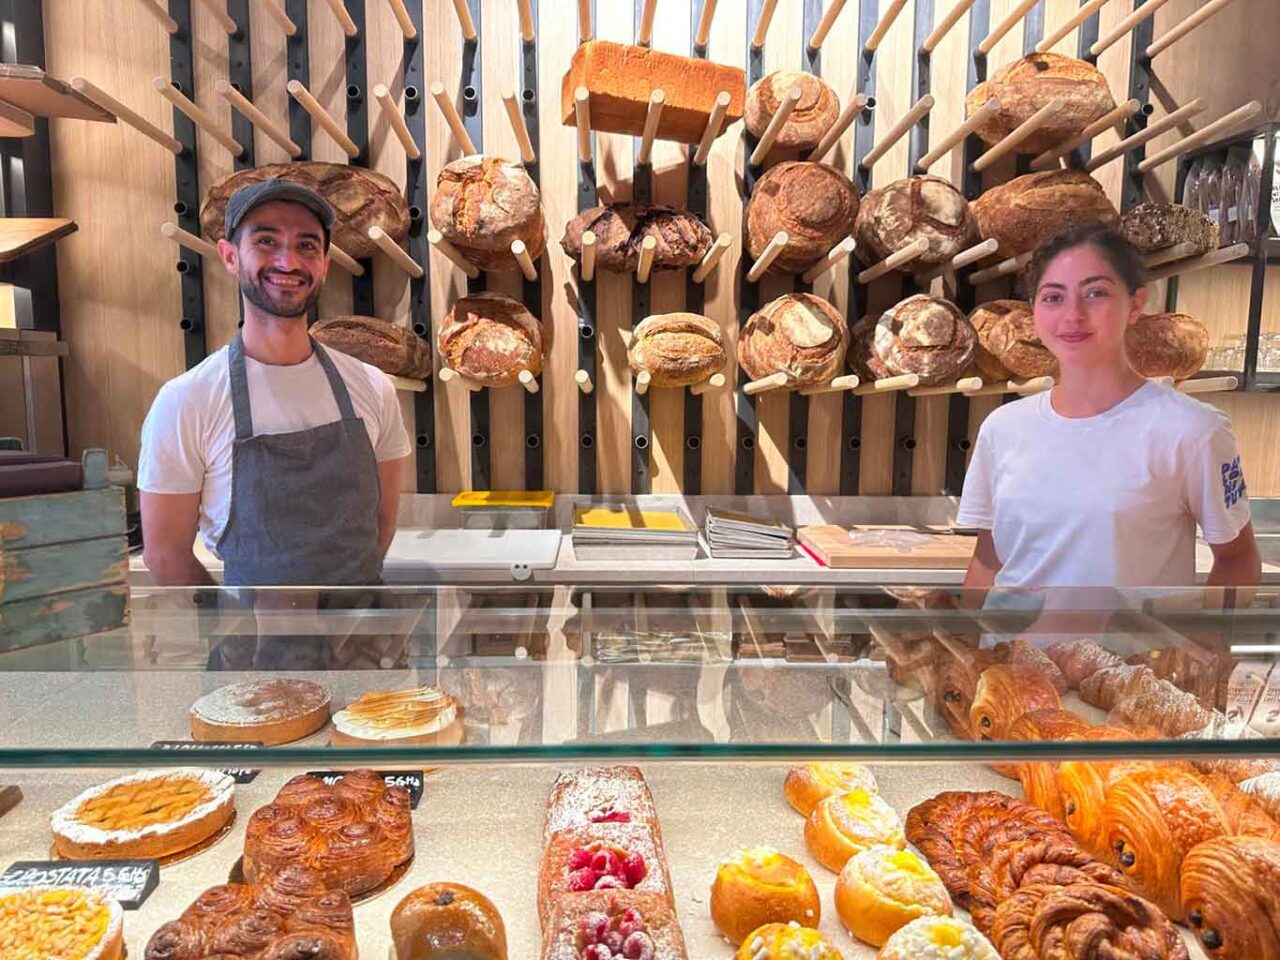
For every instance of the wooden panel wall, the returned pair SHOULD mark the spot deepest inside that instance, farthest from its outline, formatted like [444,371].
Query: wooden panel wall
[120,292]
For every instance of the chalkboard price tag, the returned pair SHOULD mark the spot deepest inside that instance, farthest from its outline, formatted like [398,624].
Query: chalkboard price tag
[239,774]
[128,881]
[411,780]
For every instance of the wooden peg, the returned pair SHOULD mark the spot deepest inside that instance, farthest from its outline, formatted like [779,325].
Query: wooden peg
[886,21]
[625,337]
[904,381]
[395,252]
[525,8]
[278,14]
[1080,16]
[587,266]
[963,385]
[648,250]
[775,381]
[451,117]
[259,119]
[448,375]
[219,10]
[1049,159]
[1036,385]
[464,20]
[1222,255]
[836,254]
[527,266]
[714,123]
[828,21]
[1124,26]
[836,385]
[344,19]
[201,119]
[527,380]
[713,382]
[1179,251]
[962,259]
[408,385]
[396,119]
[189,240]
[944,27]
[584,20]
[642,381]
[582,114]
[166,21]
[644,36]
[850,113]
[514,114]
[583,380]
[321,116]
[1209,385]
[895,261]
[1149,132]
[777,243]
[1002,269]
[401,13]
[118,109]
[1009,143]
[709,260]
[437,240]
[703,35]
[345,260]
[776,122]
[956,136]
[899,130]
[762,25]
[1008,23]
[1212,132]
[656,101]
[1180,30]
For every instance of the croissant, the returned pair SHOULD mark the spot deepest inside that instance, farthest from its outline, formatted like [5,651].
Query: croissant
[1004,694]
[1265,789]
[1103,688]
[957,682]
[1024,653]
[1188,667]
[1082,791]
[1083,921]
[1231,897]
[1160,706]
[1153,818]
[1245,816]
[1053,724]
[1078,659]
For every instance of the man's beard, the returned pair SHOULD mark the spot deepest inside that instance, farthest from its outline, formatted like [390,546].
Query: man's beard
[256,292]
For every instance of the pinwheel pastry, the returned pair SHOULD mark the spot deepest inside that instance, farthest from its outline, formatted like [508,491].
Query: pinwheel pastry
[1083,921]
[290,915]
[1004,694]
[1231,897]
[353,834]
[602,856]
[1053,724]
[808,785]
[1153,818]
[628,923]
[598,795]
[1079,659]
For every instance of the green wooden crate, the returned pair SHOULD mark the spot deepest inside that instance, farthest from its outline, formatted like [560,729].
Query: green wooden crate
[63,616]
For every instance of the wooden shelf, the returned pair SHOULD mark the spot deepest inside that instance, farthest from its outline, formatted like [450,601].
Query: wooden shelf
[33,90]
[21,235]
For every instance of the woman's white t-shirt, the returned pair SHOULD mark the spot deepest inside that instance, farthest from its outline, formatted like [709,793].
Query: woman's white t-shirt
[1109,500]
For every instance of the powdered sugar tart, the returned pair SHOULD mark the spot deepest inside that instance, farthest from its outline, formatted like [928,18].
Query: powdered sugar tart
[423,715]
[148,814]
[270,711]
[60,923]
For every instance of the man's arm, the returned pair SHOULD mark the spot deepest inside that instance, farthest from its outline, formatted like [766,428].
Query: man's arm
[1236,563]
[169,522]
[983,567]
[389,473]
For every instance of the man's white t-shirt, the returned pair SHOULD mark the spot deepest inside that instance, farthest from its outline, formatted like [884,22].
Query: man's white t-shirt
[1109,500]
[188,435]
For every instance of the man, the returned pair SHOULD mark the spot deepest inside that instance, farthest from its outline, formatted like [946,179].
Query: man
[286,457]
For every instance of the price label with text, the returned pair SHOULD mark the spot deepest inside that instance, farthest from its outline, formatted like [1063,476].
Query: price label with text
[128,881]
[239,774]
[411,780]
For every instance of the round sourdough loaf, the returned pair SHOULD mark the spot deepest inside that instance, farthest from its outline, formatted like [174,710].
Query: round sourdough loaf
[1028,210]
[813,115]
[926,336]
[1167,345]
[490,338]
[897,215]
[677,349]
[864,360]
[483,204]
[982,319]
[798,334]
[813,202]
[1027,85]
[1009,334]
[621,228]
[388,346]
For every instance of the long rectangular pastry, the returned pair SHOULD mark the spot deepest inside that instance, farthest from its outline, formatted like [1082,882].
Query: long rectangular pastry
[599,795]
[602,856]
[625,921]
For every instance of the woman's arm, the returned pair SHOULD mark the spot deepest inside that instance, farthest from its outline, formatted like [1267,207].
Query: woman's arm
[1236,563]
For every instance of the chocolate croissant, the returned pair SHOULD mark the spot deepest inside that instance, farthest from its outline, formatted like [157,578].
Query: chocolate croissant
[1004,694]
[1231,897]
[956,682]
[1051,724]
[1082,791]
[1245,816]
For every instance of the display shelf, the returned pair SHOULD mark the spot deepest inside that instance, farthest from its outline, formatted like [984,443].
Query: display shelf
[20,236]
[31,89]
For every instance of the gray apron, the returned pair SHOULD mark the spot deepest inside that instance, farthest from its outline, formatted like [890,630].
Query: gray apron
[304,505]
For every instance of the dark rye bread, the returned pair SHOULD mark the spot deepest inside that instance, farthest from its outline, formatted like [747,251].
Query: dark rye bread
[620,229]
[483,204]
[1157,226]
[360,199]
[391,348]
[491,338]
[676,349]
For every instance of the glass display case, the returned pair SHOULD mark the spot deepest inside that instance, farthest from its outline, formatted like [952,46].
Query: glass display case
[1084,754]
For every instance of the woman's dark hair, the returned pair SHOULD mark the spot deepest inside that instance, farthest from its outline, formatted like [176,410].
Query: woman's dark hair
[1108,241]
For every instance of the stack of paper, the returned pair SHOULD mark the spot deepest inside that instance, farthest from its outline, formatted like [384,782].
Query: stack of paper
[619,532]
[738,535]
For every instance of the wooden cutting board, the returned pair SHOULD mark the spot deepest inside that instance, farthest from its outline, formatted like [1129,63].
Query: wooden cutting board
[893,548]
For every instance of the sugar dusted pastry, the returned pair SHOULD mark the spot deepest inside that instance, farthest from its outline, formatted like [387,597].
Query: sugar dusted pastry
[603,856]
[445,921]
[938,938]
[424,715]
[881,890]
[1079,659]
[615,794]
[849,823]
[806,786]
[1231,896]
[583,925]
[787,941]
[270,711]
[63,923]
[758,886]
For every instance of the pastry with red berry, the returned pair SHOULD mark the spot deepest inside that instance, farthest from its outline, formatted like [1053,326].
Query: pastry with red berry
[602,856]
[598,795]
[613,925]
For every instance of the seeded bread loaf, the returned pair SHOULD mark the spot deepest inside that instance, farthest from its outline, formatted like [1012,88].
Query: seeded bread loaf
[620,229]
[389,347]
[897,215]
[482,204]
[1158,226]
[927,336]
[1167,345]
[797,333]
[813,115]
[490,338]
[1028,210]
[677,349]
[814,202]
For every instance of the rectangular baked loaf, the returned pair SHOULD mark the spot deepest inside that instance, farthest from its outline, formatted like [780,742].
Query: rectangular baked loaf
[1157,226]
[620,78]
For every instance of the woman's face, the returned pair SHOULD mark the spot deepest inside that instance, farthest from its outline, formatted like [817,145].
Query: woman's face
[1082,308]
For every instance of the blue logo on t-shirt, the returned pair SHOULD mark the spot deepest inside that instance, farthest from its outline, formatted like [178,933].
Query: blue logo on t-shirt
[1233,488]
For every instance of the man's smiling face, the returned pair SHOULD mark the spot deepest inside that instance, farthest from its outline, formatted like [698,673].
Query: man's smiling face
[280,258]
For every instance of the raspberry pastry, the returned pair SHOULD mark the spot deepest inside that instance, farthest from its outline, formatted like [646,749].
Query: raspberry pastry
[785,941]
[938,938]
[598,795]
[843,825]
[881,890]
[602,856]
[758,886]
[608,924]
[808,785]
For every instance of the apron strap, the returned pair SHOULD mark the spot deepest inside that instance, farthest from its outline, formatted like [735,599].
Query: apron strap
[239,389]
[340,393]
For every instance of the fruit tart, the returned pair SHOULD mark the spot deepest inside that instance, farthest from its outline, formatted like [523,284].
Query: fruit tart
[66,923]
[608,924]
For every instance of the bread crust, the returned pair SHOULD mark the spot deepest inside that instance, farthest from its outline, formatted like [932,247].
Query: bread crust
[1167,345]
[1028,210]
[391,348]
[813,115]
[483,204]
[1010,336]
[1158,226]
[490,338]
[798,333]
[676,349]
[927,336]
[897,215]
[620,228]
[813,202]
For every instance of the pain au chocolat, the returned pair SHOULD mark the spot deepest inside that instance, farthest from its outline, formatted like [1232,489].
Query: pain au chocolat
[269,712]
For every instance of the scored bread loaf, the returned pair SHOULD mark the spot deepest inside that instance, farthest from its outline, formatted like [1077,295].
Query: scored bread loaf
[813,202]
[620,229]
[389,347]
[1025,86]
[983,318]
[813,115]
[1012,339]
[798,334]
[1158,226]
[927,336]
[482,204]
[1167,345]
[677,349]
[620,78]
[897,215]
[863,359]
[1028,210]
[360,199]
[491,338]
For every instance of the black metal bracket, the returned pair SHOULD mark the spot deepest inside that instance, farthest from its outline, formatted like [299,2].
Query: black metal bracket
[641,431]
[534,455]
[358,131]
[1032,29]
[587,453]
[298,67]
[1140,90]
[1087,36]
[240,74]
[694,295]
[1258,276]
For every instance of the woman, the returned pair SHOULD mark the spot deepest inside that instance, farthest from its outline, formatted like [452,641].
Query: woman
[1102,480]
